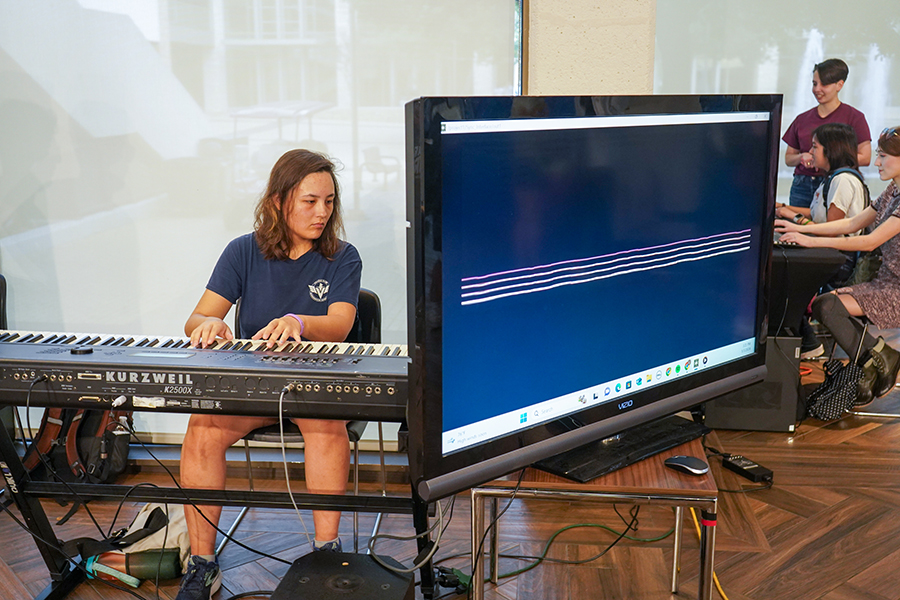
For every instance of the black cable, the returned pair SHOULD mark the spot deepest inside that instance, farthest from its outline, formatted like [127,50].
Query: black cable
[477,555]
[631,512]
[21,427]
[43,459]
[423,557]
[108,535]
[122,531]
[191,501]
[630,526]
[90,578]
[266,593]
[131,431]
[603,552]
[122,503]
[710,451]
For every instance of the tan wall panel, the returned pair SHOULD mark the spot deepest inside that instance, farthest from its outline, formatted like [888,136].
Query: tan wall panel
[589,47]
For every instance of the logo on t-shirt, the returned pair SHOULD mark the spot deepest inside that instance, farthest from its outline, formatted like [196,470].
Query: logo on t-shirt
[318,291]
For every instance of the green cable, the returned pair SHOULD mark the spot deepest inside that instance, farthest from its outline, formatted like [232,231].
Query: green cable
[543,554]
[466,580]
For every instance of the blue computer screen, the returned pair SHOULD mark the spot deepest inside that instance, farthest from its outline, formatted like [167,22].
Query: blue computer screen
[584,262]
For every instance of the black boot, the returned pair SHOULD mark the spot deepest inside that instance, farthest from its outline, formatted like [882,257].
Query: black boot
[866,384]
[887,363]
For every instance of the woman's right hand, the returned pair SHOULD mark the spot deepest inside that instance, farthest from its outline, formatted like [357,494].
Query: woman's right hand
[806,159]
[206,333]
[784,212]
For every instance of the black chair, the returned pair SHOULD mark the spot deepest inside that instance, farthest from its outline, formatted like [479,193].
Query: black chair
[3,322]
[366,330]
[7,412]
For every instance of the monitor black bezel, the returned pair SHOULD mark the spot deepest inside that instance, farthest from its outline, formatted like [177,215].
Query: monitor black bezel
[435,475]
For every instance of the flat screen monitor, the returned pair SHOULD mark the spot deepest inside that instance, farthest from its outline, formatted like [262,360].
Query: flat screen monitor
[579,266]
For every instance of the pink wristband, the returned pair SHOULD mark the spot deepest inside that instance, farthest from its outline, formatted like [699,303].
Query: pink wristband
[299,320]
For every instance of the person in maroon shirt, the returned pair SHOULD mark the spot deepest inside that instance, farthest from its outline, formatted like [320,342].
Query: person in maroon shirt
[828,79]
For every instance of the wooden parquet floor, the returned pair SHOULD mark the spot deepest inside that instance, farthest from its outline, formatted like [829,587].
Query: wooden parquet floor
[829,529]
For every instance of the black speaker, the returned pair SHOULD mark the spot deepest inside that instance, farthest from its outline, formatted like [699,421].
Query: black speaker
[767,406]
[344,576]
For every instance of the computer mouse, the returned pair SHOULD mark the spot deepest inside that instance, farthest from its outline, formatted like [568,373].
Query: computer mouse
[687,464]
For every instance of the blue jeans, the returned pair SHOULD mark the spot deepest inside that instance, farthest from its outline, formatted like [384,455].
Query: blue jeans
[802,190]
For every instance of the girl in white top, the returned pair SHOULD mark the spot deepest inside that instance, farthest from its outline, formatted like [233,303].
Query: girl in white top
[833,150]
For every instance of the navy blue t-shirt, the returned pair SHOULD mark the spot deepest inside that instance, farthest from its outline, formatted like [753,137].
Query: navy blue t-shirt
[269,289]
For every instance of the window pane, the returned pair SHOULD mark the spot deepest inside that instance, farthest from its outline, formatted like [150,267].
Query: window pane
[715,46]
[151,127]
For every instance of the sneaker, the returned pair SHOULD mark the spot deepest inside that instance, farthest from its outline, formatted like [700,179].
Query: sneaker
[333,546]
[810,346]
[201,581]
[813,352]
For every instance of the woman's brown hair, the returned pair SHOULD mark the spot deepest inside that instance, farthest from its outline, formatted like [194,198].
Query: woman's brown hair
[889,141]
[272,233]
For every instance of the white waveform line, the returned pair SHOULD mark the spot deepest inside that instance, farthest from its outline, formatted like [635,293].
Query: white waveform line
[599,277]
[636,260]
[738,238]
[742,232]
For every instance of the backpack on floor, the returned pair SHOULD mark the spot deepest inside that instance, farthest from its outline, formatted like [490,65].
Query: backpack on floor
[83,445]
[155,546]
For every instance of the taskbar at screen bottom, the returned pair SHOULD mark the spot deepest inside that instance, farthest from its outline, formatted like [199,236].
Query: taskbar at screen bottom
[617,391]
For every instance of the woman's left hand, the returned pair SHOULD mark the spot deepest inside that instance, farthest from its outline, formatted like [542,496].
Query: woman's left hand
[793,237]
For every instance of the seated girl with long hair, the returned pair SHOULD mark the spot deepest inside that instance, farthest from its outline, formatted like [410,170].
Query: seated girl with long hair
[833,152]
[840,194]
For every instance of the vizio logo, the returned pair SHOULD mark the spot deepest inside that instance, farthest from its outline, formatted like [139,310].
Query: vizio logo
[626,404]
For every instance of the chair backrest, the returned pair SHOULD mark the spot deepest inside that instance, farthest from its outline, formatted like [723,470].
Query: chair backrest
[3,322]
[366,328]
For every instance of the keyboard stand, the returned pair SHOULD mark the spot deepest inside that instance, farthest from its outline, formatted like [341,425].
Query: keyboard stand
[65,576]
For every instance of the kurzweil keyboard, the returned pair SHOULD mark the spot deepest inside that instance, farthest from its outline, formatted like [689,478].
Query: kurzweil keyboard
[241,377]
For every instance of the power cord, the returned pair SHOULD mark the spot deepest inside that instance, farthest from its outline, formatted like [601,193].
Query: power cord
[54,545]
[461,582]
[197,508]
[710,451]
[49,468]
[287,477]
[493,522]
[426,554]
